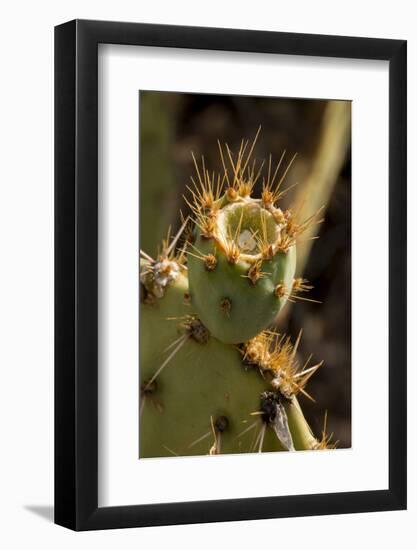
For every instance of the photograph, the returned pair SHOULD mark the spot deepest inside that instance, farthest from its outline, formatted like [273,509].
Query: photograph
[208,275]
[245,274]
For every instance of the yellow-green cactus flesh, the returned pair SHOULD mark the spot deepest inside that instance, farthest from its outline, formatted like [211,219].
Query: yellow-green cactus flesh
[233,306]
[203,384]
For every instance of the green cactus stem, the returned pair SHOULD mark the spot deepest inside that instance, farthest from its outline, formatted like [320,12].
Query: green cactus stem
[301,432]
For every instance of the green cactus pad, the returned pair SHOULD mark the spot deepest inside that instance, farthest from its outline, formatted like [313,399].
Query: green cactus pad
[233,305]
[203,383]
[205,396]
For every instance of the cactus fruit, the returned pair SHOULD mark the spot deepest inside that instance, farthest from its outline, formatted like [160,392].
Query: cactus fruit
[212,379]
[242,260]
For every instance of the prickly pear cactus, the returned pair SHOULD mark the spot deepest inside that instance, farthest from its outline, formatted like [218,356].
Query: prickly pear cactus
[213,380]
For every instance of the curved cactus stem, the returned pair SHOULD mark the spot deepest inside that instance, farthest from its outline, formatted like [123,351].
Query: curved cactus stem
[329,158]
[302,435]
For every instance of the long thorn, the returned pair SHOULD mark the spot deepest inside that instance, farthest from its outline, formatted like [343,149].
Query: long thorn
[173,343]
[167,360]
[170,450]
[177,236]
[146,256]
[198,440]
[262,434]
[246,430]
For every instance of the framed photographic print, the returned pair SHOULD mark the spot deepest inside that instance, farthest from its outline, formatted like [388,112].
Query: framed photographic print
[230,338]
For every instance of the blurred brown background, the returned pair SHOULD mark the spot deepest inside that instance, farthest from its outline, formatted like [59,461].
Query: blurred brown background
[174,124]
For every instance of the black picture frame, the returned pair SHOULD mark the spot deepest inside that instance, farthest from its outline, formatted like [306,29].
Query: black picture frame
[76,271]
